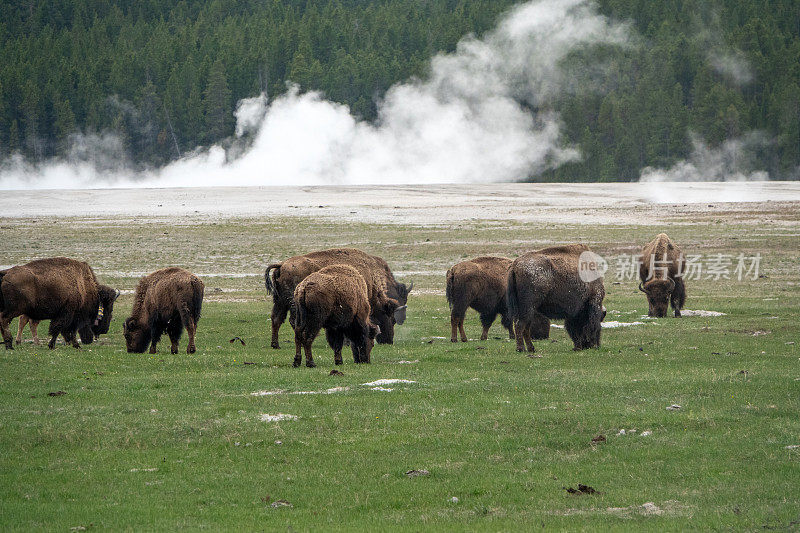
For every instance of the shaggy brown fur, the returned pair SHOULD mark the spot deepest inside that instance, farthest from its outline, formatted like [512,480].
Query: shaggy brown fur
[479,283]
[60,289]
[661,270]
[281,279]
[168,300]
[334,298]
[545,284]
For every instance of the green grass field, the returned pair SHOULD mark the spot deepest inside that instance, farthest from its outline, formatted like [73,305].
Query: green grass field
[167,442]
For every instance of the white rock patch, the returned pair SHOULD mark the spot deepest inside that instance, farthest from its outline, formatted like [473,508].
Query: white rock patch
[701,312]
[280,391]
[277,418]
[391,381]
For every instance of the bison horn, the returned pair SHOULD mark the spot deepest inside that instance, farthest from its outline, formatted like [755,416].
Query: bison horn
[672,284]
[400,314]
[116,294]
[641,288]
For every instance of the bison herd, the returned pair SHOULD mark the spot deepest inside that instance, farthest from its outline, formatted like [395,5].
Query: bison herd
[352,295]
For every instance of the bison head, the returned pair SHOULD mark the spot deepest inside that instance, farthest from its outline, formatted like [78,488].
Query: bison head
[103,320]
[137,335]
[658,292]
[402,293]
[392,313]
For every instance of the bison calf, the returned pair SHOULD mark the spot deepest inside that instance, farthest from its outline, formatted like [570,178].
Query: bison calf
[281,279]
[59,289]
[336,298]
[479,283]
[166,300]
[661,270]
[546,284]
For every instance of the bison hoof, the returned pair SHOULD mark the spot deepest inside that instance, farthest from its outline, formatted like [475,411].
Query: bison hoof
[9,345]
[311,364]
[453,339]
[677,314]
[189,349]
[275,345]
[296,363]
[173,350]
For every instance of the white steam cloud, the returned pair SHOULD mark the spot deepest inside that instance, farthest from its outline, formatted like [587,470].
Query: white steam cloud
[731,161]
[483,114]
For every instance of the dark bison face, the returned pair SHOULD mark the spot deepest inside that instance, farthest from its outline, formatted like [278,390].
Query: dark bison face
[402,293]
[137,335]
[104,314]
[658,292]
[392,313]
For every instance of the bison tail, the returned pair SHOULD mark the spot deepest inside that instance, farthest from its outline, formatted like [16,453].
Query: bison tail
[269,281]
[448,291]
[511,295]
[197,298]
[299,311]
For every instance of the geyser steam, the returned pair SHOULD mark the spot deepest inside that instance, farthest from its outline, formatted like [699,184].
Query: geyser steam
[484,113]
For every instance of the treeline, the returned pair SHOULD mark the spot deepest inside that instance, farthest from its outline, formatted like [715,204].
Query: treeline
[165,76]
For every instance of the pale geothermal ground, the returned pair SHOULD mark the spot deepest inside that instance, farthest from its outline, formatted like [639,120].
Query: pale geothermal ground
[590,203]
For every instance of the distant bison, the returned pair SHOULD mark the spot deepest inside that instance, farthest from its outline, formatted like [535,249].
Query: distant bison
[661,271]
[546,284]
[282,278]
[60,289]
[478,283]
[335,298]
[168,300]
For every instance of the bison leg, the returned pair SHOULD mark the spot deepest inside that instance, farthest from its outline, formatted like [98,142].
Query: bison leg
[279,311]
[507,323]
[156,330]
[188,322]
[34,331]
[453,327]
[57,326]
[7,338]
[487,319]
[309,356]
[174,330]
[461,329]
[23,321]
[678,297]
[298,354]
[335,341]
[526,335]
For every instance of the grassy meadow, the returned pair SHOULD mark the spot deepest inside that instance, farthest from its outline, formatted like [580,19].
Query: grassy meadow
[171,442]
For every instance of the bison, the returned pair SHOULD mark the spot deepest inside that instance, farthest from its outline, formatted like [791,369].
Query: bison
[281,279]
[336,298]
[479,283]
[661,270]
[168,300]
[547,284]
[63,290]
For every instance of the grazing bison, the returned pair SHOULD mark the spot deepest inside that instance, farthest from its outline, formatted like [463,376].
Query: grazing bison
[479,283]
[168,300]
[661,270]
[282,278]
[546,284]
[335,298]
[60,289]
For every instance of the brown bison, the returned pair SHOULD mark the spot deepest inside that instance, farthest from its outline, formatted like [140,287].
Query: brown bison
[168,300]
[547,284]
[479,283]
[335,298]
[661,269]
[282,278]
[60,289]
